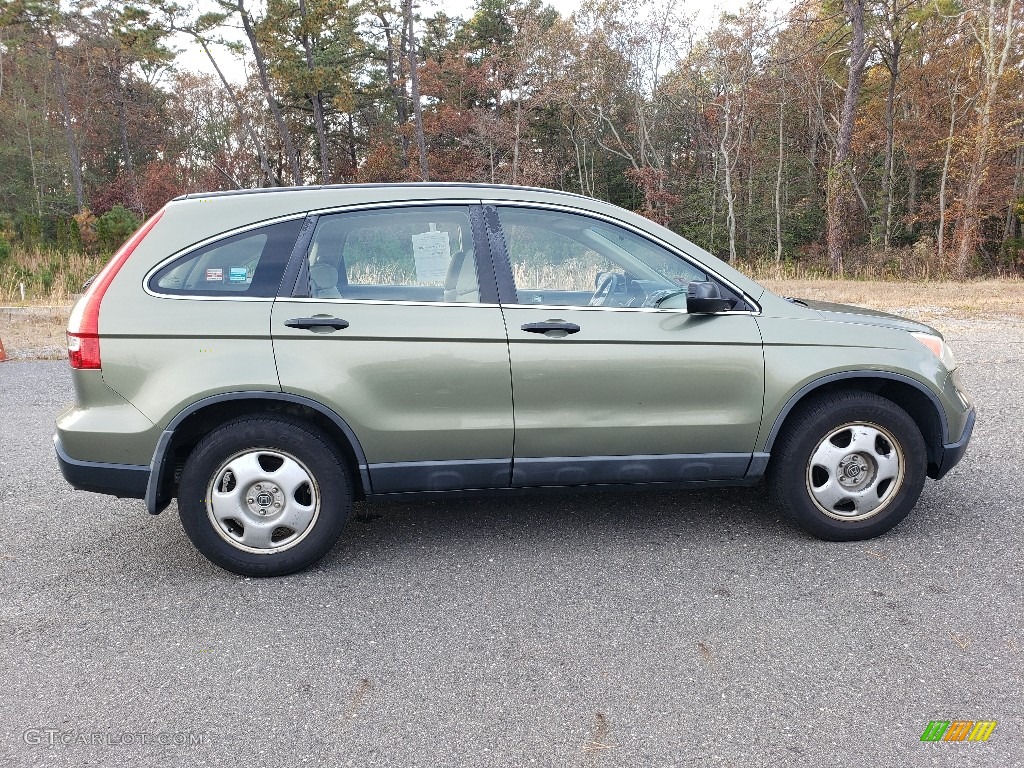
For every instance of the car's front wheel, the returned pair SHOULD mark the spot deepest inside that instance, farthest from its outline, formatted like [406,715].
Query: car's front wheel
[848,466]
[264,496]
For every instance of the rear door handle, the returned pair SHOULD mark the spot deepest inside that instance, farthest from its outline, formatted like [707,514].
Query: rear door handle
[550,325]
[306,323]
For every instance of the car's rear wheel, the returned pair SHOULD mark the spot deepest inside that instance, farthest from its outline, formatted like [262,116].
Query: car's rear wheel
[848,466]
[264,496]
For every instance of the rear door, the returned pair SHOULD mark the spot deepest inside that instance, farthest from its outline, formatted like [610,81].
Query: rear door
[609,387]
[395,325]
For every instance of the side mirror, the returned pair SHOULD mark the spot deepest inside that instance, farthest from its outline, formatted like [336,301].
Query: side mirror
[706,299]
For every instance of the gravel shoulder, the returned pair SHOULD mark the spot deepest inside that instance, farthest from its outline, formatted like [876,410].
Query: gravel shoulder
[34,333]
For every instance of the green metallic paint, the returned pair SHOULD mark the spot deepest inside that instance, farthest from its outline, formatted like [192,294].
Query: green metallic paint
[420,382]
[958,406]
[102,426]
[803,344]
[172,352]
[416,382]
[635,382]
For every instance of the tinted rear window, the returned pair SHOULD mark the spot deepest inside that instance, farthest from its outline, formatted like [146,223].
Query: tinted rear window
[250,263]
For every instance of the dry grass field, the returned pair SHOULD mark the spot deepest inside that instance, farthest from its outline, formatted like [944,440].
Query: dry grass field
[37,332]
[982,298]
[34,332]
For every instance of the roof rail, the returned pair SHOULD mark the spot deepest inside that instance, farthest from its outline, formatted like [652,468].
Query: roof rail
[410,185]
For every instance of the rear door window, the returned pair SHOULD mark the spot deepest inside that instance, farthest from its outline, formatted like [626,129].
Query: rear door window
[415,253]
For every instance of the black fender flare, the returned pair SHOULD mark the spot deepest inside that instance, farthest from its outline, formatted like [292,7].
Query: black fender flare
[815,384]
[159,465]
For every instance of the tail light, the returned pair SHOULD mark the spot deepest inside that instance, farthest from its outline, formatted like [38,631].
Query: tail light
[84,325]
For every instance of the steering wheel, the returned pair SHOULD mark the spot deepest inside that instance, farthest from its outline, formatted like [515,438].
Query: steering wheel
[654,298]
[609,284]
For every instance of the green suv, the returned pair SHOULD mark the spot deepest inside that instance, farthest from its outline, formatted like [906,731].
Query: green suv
[267,357]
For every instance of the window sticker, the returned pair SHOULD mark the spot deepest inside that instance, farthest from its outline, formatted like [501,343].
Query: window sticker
[215,275]
[432,253]
[238,275]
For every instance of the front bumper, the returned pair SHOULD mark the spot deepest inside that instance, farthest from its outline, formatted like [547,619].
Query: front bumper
[127,481]
[951,454]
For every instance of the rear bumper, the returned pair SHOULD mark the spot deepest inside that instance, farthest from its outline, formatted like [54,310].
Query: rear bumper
[127,481]
[951,454]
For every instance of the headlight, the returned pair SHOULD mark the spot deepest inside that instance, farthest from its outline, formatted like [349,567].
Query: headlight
[938,347]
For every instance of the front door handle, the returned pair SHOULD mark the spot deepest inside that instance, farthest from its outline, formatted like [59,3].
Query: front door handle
[550,325]
[308,323]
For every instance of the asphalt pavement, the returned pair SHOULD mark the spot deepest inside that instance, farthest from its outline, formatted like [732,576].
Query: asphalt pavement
[693,628]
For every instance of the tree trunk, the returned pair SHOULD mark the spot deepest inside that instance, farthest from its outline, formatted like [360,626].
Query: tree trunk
[317,99]
[414,78]
[275,109]
[890,131]
[730,195]
[352,146]
[1010,226]
[32,160]
[74,159]
[748,214]
[912,186]
[397,84]
[261,151]
[126,150]
[714,202]
[992,73]
[519,129]
[940,238]
[778,196]
[840,185]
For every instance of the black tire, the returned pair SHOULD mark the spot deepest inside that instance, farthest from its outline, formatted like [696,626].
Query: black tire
[264,495]
[856,479]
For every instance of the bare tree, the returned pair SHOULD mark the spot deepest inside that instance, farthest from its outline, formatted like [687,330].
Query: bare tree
[414,80]
[994,41]
[275,108]
[74,158]
[840,180]
[895,27]
[316,97]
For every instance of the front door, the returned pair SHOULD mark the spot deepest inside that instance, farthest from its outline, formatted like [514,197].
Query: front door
[399,332]
[611,384]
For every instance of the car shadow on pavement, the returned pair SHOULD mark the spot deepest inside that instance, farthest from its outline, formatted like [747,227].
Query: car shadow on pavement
[452,526]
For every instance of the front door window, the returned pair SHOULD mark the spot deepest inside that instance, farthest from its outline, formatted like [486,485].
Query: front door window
[564,259]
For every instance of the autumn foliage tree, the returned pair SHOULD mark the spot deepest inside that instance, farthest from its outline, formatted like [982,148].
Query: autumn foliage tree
[841,136]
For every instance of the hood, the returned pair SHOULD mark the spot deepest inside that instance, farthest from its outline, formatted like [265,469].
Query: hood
[844,313]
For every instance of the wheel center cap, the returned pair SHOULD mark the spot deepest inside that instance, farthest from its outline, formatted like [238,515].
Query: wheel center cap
[853,470]
[265,499]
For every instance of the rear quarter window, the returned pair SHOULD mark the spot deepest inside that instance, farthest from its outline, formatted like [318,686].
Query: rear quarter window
[249,263]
